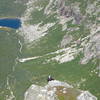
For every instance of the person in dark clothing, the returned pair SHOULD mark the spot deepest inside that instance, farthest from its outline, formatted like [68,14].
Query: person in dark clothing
[50,78]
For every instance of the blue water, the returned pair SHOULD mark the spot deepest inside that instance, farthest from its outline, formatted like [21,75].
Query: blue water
[10,23]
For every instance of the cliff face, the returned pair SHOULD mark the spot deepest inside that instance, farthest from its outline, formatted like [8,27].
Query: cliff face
[83,18]
[57,37]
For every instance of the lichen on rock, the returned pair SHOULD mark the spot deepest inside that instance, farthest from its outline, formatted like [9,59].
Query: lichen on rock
[56,90]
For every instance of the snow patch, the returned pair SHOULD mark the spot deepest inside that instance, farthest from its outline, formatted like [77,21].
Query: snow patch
[28,59]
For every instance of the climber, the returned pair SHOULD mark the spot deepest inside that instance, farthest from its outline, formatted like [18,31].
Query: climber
[49,78]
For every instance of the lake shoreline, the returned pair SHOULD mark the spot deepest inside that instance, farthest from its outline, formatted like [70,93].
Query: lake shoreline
[13,23]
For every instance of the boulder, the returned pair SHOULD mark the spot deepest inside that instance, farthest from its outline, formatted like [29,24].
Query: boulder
[56,90]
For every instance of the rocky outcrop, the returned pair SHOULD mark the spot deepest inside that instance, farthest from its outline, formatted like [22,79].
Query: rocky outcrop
[92,49]
[66,40]
[56,90]
[69,11]
[86,96]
